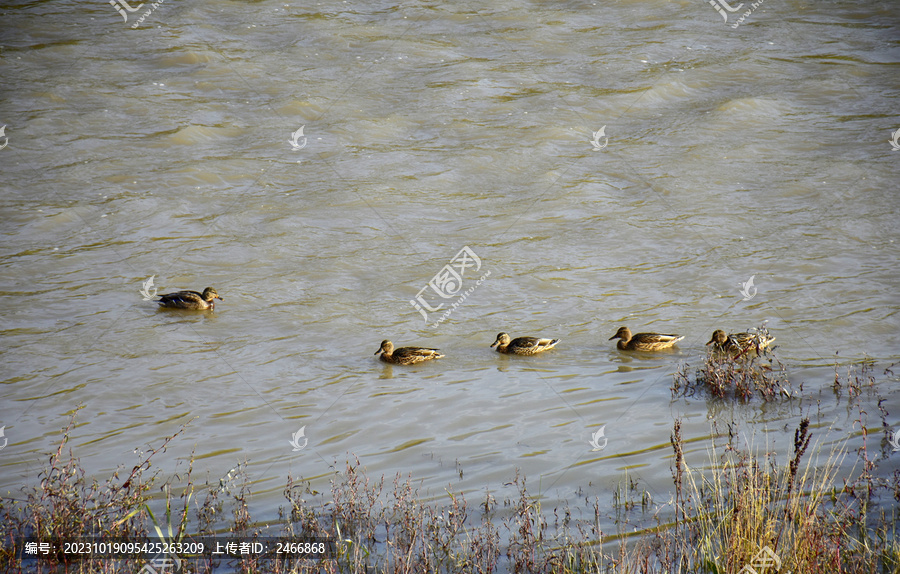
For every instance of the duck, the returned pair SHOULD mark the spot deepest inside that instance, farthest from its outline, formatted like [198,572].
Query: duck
[523,345]
[643,341]
[190,299]
[739,343]
[406,355]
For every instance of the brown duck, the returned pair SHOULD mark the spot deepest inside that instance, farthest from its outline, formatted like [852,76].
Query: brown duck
[643,341]
[739,343]
[406,355]
[522,345]
[190,299]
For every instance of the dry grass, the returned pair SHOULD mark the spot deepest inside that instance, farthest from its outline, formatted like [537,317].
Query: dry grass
[799,511]
[717,520]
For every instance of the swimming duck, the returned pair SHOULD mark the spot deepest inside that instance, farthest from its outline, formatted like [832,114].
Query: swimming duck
[643,341]
[522,345]
[739,343]
[406,355]
[190,299]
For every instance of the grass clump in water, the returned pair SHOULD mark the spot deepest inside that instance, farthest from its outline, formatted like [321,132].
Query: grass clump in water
[752,370]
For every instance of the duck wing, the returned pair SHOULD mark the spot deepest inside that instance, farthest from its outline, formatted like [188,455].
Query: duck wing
[745,340]
[656,338]
[416,354]
[181,298]
[532,343]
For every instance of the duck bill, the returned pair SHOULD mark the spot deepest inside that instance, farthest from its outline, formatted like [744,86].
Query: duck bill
[220,298]
[616,336]
[495,343]
[378,351]
[711,341]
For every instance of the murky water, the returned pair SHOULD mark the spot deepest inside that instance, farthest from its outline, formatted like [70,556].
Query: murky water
[728,154]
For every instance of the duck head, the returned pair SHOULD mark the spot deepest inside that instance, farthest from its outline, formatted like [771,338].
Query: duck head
[719,337]
[623,333]
[502,340]
[209,294]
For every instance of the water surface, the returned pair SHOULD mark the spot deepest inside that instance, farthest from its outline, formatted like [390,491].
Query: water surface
[163,151]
